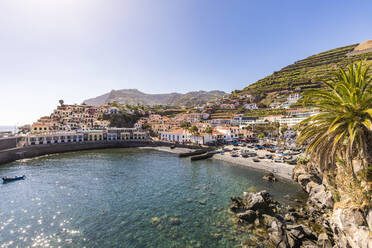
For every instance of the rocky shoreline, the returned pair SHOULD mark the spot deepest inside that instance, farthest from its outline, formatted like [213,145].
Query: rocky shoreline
[318,223]
[282,226]
[344,225]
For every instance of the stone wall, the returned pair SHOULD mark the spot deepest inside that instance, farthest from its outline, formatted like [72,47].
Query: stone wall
[9,143]
[346,227]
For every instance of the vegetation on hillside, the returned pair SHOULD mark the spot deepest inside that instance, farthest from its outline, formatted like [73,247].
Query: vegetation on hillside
[122,119]
[305,74]
[340,137]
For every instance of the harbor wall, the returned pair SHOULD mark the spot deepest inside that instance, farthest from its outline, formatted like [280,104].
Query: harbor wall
[9,143]
[10,155]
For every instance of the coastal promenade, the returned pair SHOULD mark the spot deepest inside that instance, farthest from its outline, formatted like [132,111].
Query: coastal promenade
[10,155]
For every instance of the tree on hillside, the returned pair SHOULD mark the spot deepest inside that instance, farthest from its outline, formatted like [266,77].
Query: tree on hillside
[240,110]
[261,136]
[186,125]
[340,137]
[209,130]
[283,128]
[61,102]
[114,104]
[194,130]
[277,127]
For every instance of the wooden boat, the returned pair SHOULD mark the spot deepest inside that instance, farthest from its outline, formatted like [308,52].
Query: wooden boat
[187,154]
[203,156]
[256,160]
[11,179]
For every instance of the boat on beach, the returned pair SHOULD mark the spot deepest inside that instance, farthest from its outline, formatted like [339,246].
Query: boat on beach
[12,179]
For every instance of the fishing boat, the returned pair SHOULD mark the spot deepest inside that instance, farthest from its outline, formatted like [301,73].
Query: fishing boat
[234,155]
[245,155]
[11,179]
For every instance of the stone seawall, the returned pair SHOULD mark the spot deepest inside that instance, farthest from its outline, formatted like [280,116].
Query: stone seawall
[11,155]
[9,143]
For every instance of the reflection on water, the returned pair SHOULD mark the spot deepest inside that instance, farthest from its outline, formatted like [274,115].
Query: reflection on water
[125,198]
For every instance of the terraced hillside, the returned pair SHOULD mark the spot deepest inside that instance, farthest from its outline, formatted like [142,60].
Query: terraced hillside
[306,73]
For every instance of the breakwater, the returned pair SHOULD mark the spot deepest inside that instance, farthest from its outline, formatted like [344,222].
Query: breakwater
[11,155]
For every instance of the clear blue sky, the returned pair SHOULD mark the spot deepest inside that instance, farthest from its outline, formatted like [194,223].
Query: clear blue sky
[77,49]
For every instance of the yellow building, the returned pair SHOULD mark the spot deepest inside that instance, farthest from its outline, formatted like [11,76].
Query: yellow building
[95,135]
[125,136]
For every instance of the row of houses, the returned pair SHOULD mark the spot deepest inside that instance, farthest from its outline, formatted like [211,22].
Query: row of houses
[292,118]
[74,117]
[218,134]
[110,134]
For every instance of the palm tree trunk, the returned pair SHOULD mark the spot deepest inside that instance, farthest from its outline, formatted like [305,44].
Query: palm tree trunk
[366,153]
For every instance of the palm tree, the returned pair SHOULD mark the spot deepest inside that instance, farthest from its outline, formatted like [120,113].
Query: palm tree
[343,129]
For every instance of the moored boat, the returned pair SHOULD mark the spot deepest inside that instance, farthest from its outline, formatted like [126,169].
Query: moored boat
[11,179]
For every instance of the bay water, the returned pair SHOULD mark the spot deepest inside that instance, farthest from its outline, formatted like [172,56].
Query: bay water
[126,198]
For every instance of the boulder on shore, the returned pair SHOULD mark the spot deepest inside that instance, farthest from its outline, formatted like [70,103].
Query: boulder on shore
[260,202]
[270,177]
[261,211]
[249,216]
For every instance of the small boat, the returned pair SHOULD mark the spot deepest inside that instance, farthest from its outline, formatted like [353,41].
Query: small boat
[11,179]
[256,160]
[172,146]
[234,155]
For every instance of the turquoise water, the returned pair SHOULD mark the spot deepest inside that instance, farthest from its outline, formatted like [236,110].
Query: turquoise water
[125,198]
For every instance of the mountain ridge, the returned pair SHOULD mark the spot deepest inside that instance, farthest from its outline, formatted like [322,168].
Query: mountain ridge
[134,97]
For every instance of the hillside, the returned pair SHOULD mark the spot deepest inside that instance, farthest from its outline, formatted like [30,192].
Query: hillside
[134,97]
[307,73]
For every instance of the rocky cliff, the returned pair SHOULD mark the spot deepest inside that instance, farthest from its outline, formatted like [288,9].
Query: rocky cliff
[322,222]
[344,226]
